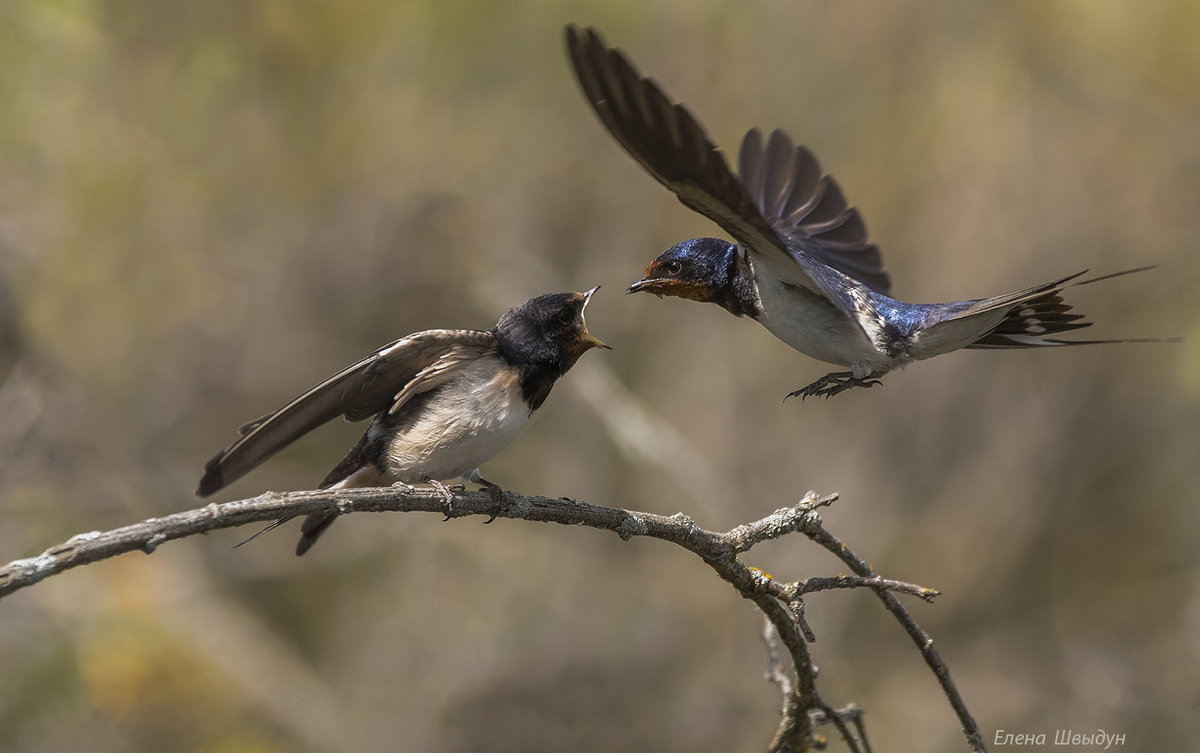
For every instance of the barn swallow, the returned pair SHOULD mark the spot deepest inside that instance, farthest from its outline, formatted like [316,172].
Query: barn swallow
[444,402]
[802,266]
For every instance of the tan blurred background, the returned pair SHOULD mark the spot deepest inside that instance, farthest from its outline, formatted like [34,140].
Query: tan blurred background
[207,207]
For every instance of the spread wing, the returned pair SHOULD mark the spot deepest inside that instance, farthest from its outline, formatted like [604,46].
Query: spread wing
[807,208]
[795,225]
[384,380]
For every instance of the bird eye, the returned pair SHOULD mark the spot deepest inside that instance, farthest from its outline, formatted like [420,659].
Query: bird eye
[673,267]
[566,316]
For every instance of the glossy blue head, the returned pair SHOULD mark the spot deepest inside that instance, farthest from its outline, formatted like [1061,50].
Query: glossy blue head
[700,269]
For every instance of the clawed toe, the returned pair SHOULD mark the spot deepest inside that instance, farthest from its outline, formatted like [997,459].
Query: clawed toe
[831,384]
[499,501]
[447,493]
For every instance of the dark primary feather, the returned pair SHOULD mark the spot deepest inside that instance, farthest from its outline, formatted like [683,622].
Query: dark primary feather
[384,380]
[782,208]
[808,207]
[664,138]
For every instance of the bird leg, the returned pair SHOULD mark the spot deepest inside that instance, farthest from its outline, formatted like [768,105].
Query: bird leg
[831,384]
[494,490]
[447,493]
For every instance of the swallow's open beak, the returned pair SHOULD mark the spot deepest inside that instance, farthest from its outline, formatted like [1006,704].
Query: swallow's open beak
[648,284]
[672,286]
[588,338]
[651,283]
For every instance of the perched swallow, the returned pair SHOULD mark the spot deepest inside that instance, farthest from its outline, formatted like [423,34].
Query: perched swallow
[802,266]
[444,402]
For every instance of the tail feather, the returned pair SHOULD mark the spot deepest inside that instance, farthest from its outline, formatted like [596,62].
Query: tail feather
[267,529]
[1111,275]
[314,525]
[1034,322]
[354,470]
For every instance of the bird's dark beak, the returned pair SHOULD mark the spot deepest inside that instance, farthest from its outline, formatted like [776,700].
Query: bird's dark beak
[648,285]
[588,338]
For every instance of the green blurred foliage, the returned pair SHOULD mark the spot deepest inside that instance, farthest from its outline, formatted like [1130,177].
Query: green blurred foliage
[206,207]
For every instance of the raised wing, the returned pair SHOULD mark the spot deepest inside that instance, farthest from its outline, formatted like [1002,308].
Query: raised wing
[384,380]
[664,138]
[671,145]
[807,208]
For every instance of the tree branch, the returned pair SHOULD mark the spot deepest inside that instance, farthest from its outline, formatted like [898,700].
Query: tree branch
[922,639]
[781,602]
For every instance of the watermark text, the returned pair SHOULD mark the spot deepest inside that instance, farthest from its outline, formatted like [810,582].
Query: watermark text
[1098,739]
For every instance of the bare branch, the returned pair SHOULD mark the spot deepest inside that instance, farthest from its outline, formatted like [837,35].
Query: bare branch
[918,635]
[781,602]
[147,535]
[812,585]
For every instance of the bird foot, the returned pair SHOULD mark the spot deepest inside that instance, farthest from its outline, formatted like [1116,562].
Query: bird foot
[447,493]
[498,499]
[831,384]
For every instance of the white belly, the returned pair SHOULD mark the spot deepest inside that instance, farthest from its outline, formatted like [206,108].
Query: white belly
[463,426]
[812,325]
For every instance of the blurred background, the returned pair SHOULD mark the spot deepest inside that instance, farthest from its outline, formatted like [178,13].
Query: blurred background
[207,207]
